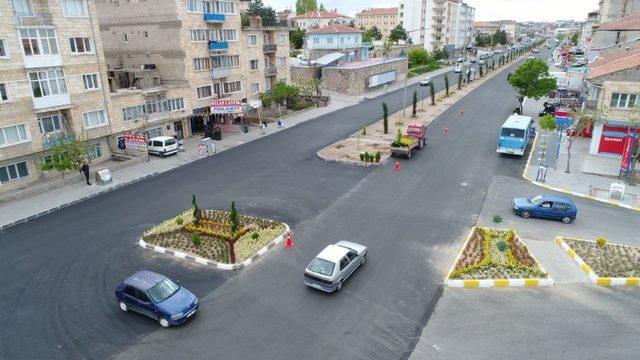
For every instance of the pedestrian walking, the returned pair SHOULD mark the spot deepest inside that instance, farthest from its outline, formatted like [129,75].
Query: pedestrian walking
[85,170]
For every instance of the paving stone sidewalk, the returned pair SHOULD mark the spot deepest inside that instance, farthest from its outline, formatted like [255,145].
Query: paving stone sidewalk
[577,181]
[31,206]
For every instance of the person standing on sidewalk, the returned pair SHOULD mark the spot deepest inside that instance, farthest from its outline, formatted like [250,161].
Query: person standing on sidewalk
[85,170]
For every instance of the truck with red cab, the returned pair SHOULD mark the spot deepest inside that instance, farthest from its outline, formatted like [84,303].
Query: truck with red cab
[414,138]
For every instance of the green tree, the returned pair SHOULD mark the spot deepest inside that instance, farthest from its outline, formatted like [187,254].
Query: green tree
[532,80]
[266,13]
[414,111]
[432,93]
[483,40]
[460,80]
[296,37]
[582,120]
[196,210]
[500,37]
[440,54]
[398,33]
[547,123]
[233,218]
[385,116]
[480,70]
[285,94]
[305,6]
[497,219]
[574,39]
[386,48]
[446,84]
[418,57]
[321,8]
[374,33]
[66,156]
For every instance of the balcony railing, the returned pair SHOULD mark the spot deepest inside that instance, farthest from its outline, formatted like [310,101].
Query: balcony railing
[51,140]
[220,45]
[33,19]
[52,101]
[220,73]
[270,71]
[270,48]
[213,18]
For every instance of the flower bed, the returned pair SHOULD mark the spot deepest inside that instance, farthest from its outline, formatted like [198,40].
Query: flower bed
[496,254]
[212,237]
[608,260]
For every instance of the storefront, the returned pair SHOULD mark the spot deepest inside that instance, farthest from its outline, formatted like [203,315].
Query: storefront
[610,138]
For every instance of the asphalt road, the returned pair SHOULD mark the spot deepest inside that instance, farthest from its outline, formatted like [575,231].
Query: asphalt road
[60,270]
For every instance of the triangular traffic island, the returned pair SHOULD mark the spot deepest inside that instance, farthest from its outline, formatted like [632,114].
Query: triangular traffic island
[606,264]
[496,258]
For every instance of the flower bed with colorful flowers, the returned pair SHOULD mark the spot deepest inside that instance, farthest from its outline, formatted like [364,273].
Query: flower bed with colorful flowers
[212,236]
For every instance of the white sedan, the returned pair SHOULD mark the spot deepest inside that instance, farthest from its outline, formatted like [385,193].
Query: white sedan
[333,265]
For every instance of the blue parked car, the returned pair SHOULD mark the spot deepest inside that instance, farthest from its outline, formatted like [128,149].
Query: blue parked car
[546,207]
[157,297]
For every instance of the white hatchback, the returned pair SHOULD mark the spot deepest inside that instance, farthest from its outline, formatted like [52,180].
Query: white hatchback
[162,145]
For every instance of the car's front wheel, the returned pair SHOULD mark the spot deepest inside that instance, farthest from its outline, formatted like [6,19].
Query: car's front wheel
[525,214]
[364,259]
[339,286]
[163,322]
[123,306]
[567,219]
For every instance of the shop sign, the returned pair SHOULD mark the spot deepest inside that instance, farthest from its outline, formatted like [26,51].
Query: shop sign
[627,150]
[226,107]
[135,141]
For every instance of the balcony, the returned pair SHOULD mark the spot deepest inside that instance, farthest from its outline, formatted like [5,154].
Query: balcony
[33,19]
[437,26]
[40,61]
[62,101]
[220,73]
[270,71]
[213,18]
[51,140]
[438,17]
[271,48]
[220,45]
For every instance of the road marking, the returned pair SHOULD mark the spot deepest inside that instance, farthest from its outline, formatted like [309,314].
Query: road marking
[379,307]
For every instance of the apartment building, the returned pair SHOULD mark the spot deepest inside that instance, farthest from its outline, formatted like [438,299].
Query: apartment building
[385,19]
[177,57]
[53,86]
[319,19]
[464,26]
[434,23]
[613,10]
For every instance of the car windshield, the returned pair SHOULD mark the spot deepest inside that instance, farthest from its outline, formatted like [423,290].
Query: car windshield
[536,200]
[321,266]
[163,290]
[517,133]
[170,142]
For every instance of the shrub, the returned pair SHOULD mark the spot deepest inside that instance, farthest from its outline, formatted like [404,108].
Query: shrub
[196,210]
[179,220]
[371,157]
[601,242]
[502,246]
[366,156]
[233,218]
[361,156]
[255,235]
[364,130]
[195,239]
[385,116]
[497,219]
[378,156]
[399,137]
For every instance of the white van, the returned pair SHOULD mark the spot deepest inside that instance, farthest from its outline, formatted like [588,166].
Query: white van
[163,145]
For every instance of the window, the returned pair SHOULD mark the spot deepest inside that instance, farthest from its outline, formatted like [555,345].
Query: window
[253,64]
[623,101]
[94,151]
[23,7]
[47,82]
[232,87]
[283,80]
[174,104]
[344,262]
[14,134]
[252,40]
[282,39]
[204,92]
[198,35]
[50,123]
[316,40]
[146,34]
[225,7]
[329,40]
[11,172]
[4,51]
[133,112]
[194,6]
[91,82]
[4,95]
[154,133]
[94,119]
[80,45]
[39,41]
[154,103]
[281,62]
[74,8]
[255,88]
[224,61]
[352,255]
[222,35]
[200,64]
[125,37]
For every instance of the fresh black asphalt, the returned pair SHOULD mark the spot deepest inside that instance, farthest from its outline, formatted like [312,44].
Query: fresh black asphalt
[60,270]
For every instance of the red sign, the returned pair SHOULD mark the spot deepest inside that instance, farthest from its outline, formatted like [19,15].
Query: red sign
[226,107]
[135,141]
[611,144]
[625,163]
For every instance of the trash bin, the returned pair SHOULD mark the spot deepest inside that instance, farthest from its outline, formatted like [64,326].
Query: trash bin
[245,128]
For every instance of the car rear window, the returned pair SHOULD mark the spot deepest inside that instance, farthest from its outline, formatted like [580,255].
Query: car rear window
[157,143]
[170,142]
[321,266]
[518,133]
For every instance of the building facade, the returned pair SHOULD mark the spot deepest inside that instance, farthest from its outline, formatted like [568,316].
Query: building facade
[320,19]
[613,10]
[183,55]
[53,86]
[385,19]
[464,26]
[336,39]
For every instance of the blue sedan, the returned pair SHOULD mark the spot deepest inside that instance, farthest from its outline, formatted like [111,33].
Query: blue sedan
[546,207]
[157,297]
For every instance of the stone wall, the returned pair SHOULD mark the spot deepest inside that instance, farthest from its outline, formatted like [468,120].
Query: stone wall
[354,81]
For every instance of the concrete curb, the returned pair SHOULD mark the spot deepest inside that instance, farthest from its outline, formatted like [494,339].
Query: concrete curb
[578,194]
[217,265]
[345,162]
[593,277]
[488,283]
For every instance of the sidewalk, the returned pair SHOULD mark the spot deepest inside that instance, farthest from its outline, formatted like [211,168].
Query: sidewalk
[590,176]
[28,207]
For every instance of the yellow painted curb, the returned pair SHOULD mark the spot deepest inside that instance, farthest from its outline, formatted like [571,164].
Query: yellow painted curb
[531,282]
[471,283]
[603,281]
[633,281]
[501,283]
[585,268]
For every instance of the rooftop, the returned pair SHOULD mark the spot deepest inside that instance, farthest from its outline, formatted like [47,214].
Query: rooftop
[618,61]
[144,279]
[333,253]
[378,11]
[335,29]
[485,24]
[320,15]
[631,22]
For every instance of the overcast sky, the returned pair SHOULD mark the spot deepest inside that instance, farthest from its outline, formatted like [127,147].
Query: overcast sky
[519,10]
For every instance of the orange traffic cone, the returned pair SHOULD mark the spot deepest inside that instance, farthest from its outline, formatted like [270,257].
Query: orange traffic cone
[288,242]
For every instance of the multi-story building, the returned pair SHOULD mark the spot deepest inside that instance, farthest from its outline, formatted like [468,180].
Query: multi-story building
[485,27]
[336,39]
[613,10]
[178,56]
[385,19]
[586,33]
[464,26]
[53,85]
[432,23]
[319,19]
